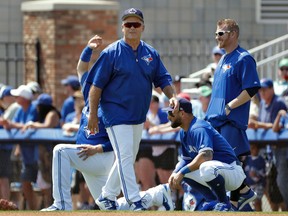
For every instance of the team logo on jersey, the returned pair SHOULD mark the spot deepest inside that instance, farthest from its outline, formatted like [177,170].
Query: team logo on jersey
[192,148]
[147,59]
[88,133]
[226,67]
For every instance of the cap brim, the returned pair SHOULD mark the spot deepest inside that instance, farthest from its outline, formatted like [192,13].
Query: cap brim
[167,109]
[132,15]
[64,82]
[14,92]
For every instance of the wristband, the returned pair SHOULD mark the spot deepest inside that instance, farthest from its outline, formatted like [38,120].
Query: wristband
[86,54]
[184,170]
[228,107]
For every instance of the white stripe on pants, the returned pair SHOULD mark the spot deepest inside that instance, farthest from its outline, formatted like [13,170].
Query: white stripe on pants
[95,170]
[125,140]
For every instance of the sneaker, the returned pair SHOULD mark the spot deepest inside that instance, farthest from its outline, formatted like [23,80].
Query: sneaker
[209,206]
[167,199]
[106,204]
[50,208]
[137,206]
[223,207]
[248,197]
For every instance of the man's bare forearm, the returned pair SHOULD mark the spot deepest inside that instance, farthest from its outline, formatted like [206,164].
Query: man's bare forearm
[94,98]
[241,99]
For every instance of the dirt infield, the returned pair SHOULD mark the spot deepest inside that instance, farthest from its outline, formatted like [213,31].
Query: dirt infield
[129,213]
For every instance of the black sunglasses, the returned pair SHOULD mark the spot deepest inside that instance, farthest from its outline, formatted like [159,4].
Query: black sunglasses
[221,33]
[171,114]
[284,68]
[134,24]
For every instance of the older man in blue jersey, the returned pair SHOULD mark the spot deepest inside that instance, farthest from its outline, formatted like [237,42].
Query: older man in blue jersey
[235,83]
[208,161]
[123,77]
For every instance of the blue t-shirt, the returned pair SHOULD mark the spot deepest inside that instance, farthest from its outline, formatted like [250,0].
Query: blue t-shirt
[269,113]
[29,151]
[235,72]
[83,136]
[67,107]
[202,136]
[126,79]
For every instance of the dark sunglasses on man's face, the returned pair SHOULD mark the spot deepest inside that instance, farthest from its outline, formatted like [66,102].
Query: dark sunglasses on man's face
[170,114]
[134,24]
[221,33]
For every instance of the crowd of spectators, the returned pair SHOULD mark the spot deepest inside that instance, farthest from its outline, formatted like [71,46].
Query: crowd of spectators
[27,106]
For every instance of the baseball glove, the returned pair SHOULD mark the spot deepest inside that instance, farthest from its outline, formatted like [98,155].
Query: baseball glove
[6,205]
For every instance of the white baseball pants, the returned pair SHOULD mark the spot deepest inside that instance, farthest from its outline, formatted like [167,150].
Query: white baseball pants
[125,140]
[95,170]
[209,170]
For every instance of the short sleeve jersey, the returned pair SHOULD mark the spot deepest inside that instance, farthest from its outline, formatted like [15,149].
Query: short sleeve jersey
[202,136]
[126,77]
[235,72]
[29,152]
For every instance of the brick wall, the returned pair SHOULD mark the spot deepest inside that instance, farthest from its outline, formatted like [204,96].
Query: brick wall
[62,35]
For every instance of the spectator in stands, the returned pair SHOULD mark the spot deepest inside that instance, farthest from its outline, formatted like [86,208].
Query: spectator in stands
[13,165]
[217,53]
[204,99]
[35,88]
[26,113]
[156,116]
[270,106]
[281,86]
[71,84]
[177,83]
[6,101]
[254,167]
[281,122]
[48,117]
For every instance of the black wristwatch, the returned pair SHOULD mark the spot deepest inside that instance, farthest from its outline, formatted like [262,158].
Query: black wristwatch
[228,107]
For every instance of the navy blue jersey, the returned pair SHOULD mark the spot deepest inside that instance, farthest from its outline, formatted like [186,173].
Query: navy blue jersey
[269,113]
[202,136]
[126,79]
[235,72]
[67,107]
[83,135]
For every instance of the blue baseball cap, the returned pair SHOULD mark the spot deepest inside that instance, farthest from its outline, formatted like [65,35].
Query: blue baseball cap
[133,12]
[5,91]
[71,80]
[44,99]
[266,83]
[184,105]
[217,50]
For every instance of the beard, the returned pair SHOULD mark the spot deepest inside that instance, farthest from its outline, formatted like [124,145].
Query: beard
[176,123]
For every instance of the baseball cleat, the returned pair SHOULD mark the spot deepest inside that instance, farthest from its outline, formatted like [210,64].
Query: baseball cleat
[51,208]
[167,199]
[106,204]
[137,206]
[209,206]
[246,198]
[223,207]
